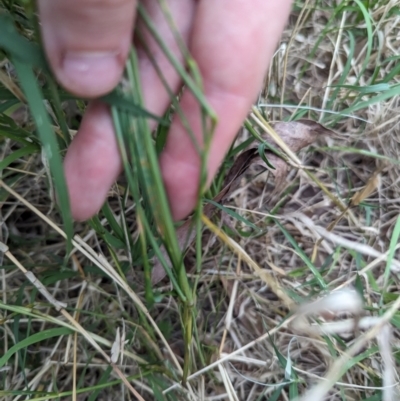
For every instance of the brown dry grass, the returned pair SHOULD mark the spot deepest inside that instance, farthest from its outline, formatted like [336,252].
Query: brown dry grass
[240,322]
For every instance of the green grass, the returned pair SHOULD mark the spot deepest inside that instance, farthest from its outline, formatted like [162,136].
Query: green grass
[219,322]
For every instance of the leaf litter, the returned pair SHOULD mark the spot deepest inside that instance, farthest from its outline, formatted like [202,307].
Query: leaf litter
[296,135]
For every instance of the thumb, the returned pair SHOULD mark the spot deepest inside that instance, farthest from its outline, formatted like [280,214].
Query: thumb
[87,42]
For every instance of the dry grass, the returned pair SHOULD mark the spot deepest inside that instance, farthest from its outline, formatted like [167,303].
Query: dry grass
[247,344]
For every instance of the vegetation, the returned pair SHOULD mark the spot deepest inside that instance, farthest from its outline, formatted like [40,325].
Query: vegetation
[81,316]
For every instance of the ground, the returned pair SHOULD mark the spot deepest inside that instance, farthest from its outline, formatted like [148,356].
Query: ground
[323,246]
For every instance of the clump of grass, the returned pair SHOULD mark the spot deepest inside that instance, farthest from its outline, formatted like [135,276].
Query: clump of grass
[78,320]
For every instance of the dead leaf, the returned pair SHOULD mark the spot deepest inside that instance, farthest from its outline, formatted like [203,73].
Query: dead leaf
[296,135]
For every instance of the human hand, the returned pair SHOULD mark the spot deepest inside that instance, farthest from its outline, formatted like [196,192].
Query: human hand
[87,43]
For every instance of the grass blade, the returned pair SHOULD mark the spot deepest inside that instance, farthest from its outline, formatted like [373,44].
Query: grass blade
[48,139]
[33,339]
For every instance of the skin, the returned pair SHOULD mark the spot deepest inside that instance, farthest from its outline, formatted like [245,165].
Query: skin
[87,42]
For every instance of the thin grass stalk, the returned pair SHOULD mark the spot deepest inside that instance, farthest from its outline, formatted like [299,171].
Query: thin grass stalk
[144,167]
[160,209]
[193,82]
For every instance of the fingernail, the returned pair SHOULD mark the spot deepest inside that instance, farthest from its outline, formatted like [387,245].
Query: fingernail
[92,73]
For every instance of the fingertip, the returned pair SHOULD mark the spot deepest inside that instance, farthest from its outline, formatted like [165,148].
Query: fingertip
[90,74]
[92,163]
[80,214]
[181,180]
[87,42]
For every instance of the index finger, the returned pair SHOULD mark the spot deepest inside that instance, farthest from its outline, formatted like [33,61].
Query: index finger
[232,42]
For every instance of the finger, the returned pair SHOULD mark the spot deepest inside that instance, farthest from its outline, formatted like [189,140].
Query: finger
[87,42]
[232,42]
[156,97]
[92,162]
